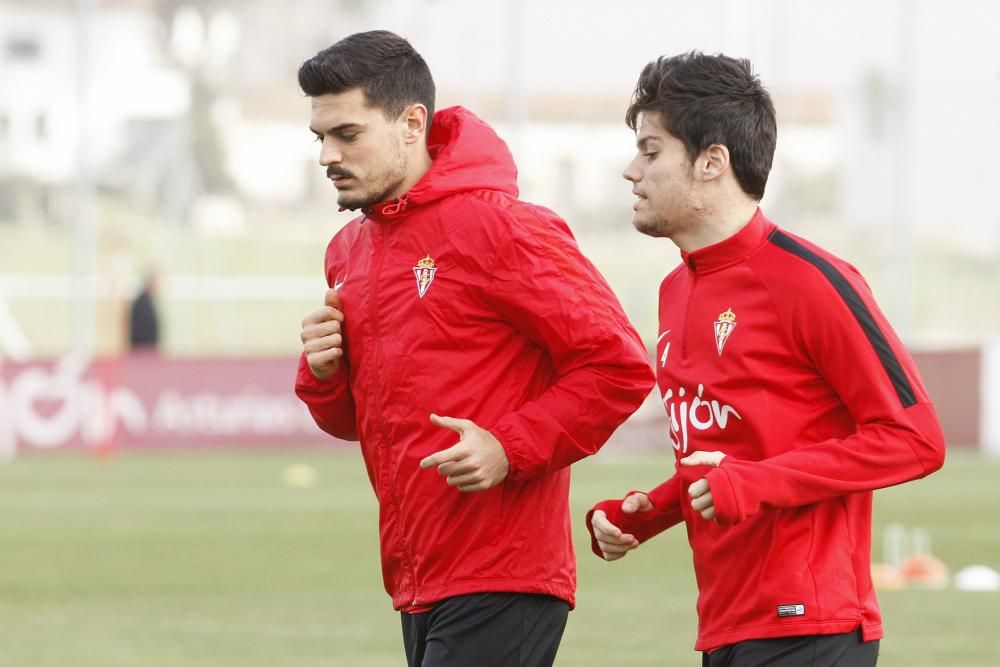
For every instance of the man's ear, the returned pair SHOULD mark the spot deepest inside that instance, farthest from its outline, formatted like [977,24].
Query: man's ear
[713,162]
[415,117]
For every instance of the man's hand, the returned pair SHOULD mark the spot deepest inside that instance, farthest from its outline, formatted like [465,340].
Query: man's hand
[476,463]
[322,337]
[613,542]
[701,495]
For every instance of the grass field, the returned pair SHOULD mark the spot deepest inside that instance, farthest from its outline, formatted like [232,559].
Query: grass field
[188,559]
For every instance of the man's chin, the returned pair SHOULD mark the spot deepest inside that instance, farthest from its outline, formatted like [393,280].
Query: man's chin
[647,227]
[354,200]
[353,203]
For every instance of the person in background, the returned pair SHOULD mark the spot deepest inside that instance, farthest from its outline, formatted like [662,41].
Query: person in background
[143,319]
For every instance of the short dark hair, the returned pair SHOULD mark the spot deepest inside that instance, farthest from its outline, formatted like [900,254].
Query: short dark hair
[712,99]
[381,63]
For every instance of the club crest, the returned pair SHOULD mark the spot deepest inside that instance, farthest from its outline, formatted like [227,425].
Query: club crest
[724,328]
[424,272]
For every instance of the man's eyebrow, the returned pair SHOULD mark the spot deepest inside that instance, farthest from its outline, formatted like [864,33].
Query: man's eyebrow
[343,127]
[645,139]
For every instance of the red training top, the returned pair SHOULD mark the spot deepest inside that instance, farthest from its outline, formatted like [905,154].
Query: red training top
[774,352]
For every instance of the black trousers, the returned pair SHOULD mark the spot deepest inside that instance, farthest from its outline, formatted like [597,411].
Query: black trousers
[486,630]
[845,650]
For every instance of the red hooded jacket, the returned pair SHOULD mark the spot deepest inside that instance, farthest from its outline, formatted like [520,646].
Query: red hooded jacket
[460,300]
[773,351]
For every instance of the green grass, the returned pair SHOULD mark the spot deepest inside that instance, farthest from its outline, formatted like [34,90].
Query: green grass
[186,559]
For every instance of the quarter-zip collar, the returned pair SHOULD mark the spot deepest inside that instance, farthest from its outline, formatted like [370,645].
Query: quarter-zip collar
[390,210]
[729,251]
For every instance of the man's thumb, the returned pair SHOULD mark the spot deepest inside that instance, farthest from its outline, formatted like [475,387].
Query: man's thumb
[332,298]
[456,425]
[637,502]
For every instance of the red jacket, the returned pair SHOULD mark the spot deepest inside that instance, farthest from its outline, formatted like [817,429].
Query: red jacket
[774,352]
[461,300]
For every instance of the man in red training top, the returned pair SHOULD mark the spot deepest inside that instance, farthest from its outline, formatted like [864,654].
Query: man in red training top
[470,347]
[789,396]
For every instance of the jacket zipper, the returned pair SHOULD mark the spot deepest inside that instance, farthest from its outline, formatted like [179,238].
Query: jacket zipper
[376,357]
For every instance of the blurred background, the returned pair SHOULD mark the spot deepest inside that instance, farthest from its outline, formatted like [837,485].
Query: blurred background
[160,149]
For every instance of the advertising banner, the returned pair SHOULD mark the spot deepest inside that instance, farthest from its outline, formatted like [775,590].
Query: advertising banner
[145,401]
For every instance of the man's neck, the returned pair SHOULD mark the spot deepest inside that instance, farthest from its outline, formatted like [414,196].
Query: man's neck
[418,167]
[715,226]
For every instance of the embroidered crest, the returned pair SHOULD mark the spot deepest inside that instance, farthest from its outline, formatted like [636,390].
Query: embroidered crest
[424,272]
[724,328]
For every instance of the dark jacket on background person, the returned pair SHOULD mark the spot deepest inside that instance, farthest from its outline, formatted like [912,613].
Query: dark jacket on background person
[144,324]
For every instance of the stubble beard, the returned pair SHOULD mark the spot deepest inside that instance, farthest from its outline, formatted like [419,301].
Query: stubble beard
[380,186]
[656,228]
[355,200]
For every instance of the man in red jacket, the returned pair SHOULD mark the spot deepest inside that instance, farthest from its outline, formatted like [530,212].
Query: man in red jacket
[789,397]
[469,346]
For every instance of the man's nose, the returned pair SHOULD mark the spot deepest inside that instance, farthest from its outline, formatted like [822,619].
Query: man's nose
[328,156]
[631,174]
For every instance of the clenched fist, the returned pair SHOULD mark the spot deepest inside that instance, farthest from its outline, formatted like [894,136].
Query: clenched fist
[323,338]
[613,542]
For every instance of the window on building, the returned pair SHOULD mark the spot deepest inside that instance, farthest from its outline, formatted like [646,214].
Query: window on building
[41,126]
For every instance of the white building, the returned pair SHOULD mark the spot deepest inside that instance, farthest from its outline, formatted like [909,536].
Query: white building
[77,93]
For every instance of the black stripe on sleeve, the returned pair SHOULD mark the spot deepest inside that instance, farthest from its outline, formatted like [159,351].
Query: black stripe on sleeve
[890,362]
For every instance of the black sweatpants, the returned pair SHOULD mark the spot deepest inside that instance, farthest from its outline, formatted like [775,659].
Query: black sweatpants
[486,630]
[845,650]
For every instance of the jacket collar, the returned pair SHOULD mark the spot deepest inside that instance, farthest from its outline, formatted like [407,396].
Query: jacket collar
[729,251]
[467,156]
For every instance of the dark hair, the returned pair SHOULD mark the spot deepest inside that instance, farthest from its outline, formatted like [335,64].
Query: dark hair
[704,100]
[382,64]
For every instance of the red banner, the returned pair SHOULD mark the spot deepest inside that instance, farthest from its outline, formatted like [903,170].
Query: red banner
[147,401]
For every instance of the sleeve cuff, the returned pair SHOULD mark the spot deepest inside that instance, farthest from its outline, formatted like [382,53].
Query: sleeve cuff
[727,508]
[517,464]
[641,525]
[612,508]
[305,381]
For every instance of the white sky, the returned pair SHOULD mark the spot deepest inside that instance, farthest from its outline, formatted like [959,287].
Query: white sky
[585,43]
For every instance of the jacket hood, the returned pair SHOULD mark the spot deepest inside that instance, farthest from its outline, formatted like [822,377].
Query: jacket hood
[467,155]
